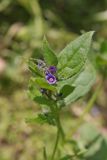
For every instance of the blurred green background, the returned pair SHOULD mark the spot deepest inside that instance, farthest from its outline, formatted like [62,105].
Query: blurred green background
[23,23]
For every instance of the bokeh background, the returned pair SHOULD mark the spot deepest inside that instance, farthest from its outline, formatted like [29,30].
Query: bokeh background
[23,23]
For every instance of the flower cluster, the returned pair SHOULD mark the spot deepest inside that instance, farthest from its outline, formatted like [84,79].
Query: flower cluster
[49,75]
[49,72]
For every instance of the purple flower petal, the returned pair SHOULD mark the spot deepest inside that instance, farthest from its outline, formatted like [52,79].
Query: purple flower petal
[52,69]
[47,72]
[51,79]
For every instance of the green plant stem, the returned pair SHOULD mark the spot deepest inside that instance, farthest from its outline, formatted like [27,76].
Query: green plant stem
[60,131]
[45,154]
[87,109]
[56,144]
[56,112]
[60,128]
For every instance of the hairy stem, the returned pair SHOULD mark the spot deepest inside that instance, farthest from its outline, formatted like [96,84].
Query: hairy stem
[56,144]
[60,128]
[60,131]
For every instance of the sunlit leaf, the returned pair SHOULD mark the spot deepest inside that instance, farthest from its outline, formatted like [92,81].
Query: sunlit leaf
[72,58]
[49,56]
[44,84]
[34,68]
[82,84]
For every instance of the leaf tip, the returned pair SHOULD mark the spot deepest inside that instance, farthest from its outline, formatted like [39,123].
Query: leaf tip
[90,33]
[44,39]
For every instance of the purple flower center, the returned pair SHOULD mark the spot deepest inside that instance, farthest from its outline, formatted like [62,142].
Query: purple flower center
[51,79]
[52,69]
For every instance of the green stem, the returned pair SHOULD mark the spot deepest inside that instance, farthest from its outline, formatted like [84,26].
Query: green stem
[60,131]
[56,113]
[60,128]
[87,109]
[56,144]
[45,154]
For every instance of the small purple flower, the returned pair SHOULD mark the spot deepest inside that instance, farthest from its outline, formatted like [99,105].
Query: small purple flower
[51,79]
[41,64]
[47,72]
[52,69]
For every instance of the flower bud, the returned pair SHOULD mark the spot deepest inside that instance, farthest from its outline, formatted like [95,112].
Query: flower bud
[52,69]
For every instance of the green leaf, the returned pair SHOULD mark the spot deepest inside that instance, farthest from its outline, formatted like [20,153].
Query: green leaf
[72,58]
[82,84]
[66,90]
[35,94]
[34,69]
[101,64]
[69,81]
[48,117]
[49,56]
[95,142]
[43,100]
[42,118]
[77,147]
[98,151]
[44,84]
[67,157]
[102,60]
[33,91]
[103,47]
[35,119]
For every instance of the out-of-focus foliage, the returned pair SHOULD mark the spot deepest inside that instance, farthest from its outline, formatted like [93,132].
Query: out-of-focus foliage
[95,143]
[76,14]
[101,58]
[23,24]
